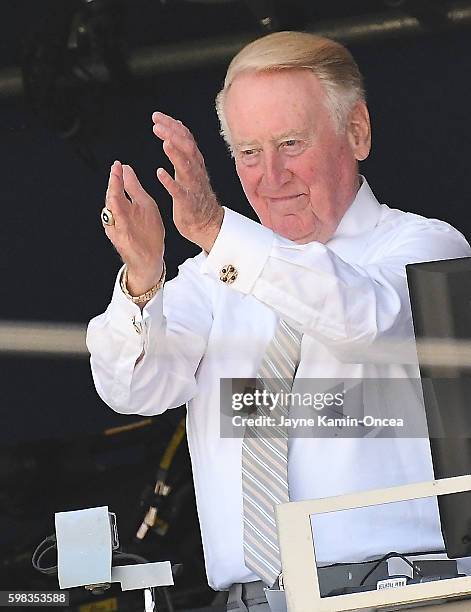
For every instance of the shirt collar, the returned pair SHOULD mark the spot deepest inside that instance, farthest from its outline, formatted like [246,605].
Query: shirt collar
[362,215]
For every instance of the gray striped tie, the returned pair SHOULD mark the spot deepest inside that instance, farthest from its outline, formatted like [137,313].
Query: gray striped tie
[265,458]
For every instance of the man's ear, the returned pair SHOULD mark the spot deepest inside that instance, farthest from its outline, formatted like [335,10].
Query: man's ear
[359,131]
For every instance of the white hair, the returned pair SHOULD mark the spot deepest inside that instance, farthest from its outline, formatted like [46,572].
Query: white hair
[330,61]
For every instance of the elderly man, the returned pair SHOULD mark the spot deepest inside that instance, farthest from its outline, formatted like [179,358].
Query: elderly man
[314,291]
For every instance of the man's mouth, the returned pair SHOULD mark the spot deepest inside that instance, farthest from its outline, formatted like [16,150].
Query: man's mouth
[283,198]
[292,202]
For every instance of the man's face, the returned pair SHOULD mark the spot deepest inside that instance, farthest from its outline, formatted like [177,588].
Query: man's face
[298,173]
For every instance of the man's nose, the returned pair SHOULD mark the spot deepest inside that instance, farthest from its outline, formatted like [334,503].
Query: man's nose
[275,172]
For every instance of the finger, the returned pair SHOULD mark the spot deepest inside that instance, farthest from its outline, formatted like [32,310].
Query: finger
[116,200]
[184,170]
[165,122]
[164,132]
[133,187]
[118,221]
[170,184]
[185,143]
[117,168]
[159,117]
[115,182]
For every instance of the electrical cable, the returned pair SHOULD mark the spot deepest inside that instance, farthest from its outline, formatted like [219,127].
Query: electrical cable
[39,554]
[391,555]
[50,543]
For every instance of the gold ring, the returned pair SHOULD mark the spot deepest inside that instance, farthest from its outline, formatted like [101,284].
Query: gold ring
[107,216]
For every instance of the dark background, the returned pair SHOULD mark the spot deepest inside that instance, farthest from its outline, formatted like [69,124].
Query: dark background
[58,138]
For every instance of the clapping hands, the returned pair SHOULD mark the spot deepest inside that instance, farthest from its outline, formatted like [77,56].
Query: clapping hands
[138,232]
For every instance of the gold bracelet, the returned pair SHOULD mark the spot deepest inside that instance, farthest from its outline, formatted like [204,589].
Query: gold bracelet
[144,297]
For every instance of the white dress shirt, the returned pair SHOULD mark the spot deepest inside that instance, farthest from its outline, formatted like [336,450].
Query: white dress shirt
[349,298]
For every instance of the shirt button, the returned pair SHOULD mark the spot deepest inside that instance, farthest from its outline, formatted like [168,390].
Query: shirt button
[228,274]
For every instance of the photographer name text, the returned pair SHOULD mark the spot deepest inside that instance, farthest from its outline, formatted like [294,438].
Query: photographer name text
[318,420]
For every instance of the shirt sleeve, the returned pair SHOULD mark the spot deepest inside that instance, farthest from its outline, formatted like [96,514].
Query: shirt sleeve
[355,310]
[144,362]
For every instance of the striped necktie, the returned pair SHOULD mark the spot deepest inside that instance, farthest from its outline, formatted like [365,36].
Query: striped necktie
[265,458]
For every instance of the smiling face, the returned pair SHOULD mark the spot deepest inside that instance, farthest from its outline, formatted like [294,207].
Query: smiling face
[298,173]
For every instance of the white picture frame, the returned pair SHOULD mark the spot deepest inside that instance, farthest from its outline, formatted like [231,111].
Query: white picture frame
[299,561]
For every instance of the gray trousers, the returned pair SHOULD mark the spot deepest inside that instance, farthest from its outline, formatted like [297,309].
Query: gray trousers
[247,597]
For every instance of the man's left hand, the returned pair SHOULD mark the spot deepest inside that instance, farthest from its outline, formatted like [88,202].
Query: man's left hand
[196,212]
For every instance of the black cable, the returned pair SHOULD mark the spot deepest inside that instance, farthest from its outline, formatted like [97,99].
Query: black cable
[124,556]
[39,553]
[50,543]
[390,555]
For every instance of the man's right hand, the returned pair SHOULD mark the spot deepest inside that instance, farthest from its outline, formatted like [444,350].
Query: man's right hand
[138,232]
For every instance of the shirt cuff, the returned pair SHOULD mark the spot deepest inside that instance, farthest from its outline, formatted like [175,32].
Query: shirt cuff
[239,253]
[125,316]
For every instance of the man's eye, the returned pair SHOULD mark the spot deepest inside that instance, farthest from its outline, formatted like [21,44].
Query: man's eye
[292,146]
[249,156]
